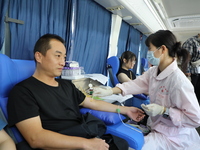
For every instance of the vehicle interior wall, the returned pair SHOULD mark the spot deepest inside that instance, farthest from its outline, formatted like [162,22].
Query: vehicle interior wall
[84,25]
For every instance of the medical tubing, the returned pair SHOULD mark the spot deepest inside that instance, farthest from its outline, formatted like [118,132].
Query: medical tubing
[118,111]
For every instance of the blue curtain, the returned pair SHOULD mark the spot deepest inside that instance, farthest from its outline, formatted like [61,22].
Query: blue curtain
[92,32]
[72,31]
[123,38]
[51,17]
[144,48]
[3,9]
[134,43]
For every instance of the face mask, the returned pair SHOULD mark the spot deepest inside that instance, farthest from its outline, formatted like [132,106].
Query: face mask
[152,59]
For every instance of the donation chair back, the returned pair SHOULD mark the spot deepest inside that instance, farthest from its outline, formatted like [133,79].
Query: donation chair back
[144,64]
[113,65]
[12,71]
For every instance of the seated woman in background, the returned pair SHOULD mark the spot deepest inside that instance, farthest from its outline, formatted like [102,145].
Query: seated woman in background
[127,62]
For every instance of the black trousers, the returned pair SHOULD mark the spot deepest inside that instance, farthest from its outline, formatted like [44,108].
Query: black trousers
[195,79]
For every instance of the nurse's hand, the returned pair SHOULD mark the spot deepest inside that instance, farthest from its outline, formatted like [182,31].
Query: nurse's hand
[153,109]
[101,92]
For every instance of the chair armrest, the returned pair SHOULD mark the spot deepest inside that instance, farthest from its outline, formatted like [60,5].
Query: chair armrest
[141,96]
[117,128]
[135,139]
[108,118]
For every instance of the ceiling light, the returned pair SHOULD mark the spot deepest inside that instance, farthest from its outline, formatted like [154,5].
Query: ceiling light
[127,17]
[136,24]
[115,8]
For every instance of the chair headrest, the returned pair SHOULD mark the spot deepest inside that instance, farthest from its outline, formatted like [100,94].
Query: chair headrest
[13,71]
[114,63]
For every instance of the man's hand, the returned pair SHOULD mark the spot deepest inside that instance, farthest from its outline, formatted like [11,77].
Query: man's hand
[196,63]
[188,74]
[135,113]
[96,144]
[153,109]
[101,92]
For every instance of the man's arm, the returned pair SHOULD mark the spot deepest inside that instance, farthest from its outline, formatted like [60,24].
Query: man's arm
[37,137]
[6,142]
[133,112]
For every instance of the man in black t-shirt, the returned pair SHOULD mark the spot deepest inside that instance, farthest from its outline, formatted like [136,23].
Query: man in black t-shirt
[46,109]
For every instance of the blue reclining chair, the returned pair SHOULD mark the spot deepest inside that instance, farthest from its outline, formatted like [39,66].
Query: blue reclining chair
[113,64]
[13,71]
[144,64]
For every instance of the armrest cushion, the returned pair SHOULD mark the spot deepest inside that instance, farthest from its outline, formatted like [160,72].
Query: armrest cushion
[108,118]
[141,96]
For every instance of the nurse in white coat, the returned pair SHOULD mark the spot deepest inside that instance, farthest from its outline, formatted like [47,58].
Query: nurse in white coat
[174,112]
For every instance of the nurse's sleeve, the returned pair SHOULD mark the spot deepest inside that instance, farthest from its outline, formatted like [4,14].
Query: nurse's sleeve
[186,112]
[137,86]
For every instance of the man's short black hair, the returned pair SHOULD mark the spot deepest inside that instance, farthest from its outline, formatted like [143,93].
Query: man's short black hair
[42,44]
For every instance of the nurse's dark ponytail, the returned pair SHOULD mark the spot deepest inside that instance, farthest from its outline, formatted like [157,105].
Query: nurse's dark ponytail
[167,38]
[182,55]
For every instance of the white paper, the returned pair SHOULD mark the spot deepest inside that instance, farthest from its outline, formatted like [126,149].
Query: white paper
[114,97]
[99,77]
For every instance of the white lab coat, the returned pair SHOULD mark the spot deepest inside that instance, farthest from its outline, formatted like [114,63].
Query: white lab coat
[171,89]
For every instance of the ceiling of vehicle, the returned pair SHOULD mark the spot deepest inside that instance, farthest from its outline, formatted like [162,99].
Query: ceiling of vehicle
[182,17]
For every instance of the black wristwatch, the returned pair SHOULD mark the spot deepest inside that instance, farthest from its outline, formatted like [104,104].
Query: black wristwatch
[166,113]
